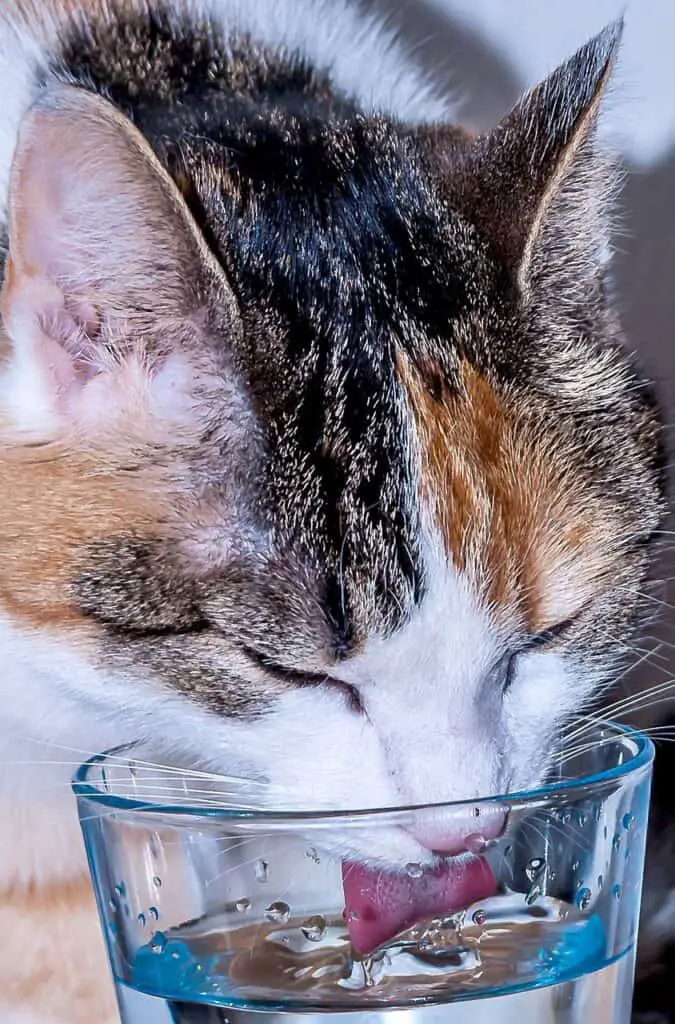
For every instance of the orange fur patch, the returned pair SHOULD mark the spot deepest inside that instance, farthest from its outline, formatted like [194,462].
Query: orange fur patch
[56,927]
[507,499]
[53,504]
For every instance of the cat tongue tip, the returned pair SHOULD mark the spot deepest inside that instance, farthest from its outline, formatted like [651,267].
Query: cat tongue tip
[379,904]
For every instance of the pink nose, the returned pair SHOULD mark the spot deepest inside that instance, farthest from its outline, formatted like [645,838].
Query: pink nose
[456,831]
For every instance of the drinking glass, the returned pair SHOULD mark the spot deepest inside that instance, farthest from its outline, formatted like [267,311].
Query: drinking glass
[216,910]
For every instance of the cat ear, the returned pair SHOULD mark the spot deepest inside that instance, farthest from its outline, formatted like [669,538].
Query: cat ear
[536,183]
[105,265]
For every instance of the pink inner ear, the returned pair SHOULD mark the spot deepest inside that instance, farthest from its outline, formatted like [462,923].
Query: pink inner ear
[35,313]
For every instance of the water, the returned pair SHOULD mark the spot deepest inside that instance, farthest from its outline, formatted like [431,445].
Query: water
[549,956]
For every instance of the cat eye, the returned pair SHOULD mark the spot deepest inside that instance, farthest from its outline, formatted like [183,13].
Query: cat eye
[508,664]
[295,678]
[550,635]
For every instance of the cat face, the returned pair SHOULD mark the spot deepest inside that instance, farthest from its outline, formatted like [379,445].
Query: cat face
[322,462]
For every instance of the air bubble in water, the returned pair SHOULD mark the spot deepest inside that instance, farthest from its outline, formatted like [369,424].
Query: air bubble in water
[616,892]
[261,870]
[154,913]
[616,842]
[628,821]
[121,890]
[278,912]
[581,818]
[157,882]
[312,854]
[141,920]
[584,897]
[534,868]
[314,928]
[414,870]
[112,905]
[479,917]
[532,895]
[242,906]
[158,943]
[575,865]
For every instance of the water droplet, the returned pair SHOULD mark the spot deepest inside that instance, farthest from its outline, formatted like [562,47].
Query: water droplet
[414,870]
[476,843]
[604,832]
[597,812]
[584,897]
[121,890]
[278,912]
[546,957]
[242,906]
[141,920]
[575,865]
[507,851]
[479,917]
[600,881]
[616,842]
[534,868]
[158,943]
[580,882]
[175,955]
[154,913]
[475,812]
[312,854]
[628,822]
[581,818]
[314,928]
[157,882]
[616,892]
[112,905]
[353,915]
[566,817]
[261,871]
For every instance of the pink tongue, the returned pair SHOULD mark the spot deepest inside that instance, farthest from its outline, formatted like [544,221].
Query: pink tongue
[379,905]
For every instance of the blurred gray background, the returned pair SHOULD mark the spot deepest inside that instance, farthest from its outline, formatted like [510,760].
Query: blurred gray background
[483,53]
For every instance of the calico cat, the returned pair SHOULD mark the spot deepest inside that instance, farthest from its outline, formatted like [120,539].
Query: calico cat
[317,430]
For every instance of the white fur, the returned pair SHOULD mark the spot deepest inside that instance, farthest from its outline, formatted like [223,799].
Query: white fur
[436,729]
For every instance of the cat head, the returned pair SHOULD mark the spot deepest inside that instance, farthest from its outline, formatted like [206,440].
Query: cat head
[322,460]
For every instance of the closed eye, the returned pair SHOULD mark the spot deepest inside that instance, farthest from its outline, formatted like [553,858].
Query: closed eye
[550,635]
[296,678]
[508,664]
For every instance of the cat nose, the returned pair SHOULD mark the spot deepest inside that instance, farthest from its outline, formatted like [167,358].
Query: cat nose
[451,831]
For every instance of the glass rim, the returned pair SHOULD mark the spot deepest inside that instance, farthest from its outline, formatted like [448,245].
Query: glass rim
[641,758]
